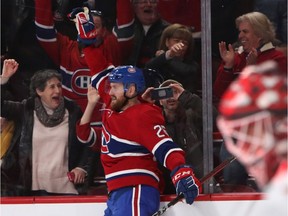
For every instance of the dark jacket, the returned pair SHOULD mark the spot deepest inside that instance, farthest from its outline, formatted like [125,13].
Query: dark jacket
[186,71]
[22,114]
[187,132]
[145,46]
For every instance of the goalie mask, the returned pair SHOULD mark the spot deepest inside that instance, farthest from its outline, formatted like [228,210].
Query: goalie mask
[253,119]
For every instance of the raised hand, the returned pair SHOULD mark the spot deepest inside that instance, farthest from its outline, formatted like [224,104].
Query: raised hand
[177,90]
[87,33]
[147,95]
[159,52]
[176,50]
[92,95]
[252,57]
[10,66]
[227,55]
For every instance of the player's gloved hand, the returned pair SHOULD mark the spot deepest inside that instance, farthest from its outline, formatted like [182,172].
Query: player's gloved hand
[85,26]
[185,182]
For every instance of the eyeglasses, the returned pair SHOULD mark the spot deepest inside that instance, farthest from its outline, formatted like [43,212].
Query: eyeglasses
[144,1]
[96,13]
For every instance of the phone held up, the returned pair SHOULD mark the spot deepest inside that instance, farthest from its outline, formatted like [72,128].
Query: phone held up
[161,93]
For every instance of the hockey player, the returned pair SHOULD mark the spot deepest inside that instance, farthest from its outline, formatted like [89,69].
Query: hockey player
[133,138]
[254,125]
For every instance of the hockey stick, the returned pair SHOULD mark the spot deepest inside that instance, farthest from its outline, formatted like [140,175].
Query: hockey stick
[202,180]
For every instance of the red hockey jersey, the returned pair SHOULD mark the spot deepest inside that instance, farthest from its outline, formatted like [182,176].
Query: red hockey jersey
[133,139]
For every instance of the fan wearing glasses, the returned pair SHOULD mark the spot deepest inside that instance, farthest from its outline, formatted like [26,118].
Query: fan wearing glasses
[146,26]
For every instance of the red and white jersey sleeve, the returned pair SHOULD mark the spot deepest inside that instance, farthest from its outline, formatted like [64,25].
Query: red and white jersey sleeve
[45,31]
[124,29]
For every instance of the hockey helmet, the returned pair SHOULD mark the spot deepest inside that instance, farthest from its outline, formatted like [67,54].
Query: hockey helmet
[128,75]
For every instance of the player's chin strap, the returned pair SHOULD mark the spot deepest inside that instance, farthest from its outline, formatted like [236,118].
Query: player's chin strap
[126,100]
[202,180]
[135,95]
[126,89]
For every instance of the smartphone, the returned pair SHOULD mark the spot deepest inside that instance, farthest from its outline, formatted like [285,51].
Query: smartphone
[161,93]
[71,176]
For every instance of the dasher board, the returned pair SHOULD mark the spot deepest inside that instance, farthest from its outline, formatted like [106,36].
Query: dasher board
[226,204]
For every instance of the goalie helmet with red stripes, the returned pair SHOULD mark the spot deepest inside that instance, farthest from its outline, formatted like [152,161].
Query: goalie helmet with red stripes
[253,117]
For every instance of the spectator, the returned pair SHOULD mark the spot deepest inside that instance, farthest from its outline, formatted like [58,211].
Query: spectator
[147,28]
[48,146]
[7,130]
[256,35]
[223,15]
[174,59]
[253,121]
[9,138]
[10,134]
[183,122]
[133,134]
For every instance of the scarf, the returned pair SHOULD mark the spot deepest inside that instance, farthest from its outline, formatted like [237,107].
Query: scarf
[46,119]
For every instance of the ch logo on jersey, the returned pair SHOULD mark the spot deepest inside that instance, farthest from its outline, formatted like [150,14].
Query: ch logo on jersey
[80,81]
[106,137]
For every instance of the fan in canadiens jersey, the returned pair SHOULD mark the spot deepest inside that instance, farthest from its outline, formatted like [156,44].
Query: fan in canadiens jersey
[133,138]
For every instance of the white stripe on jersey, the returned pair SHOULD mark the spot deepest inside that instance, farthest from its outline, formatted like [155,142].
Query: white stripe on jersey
[70,72]
[125,141]
[160,143]
[169,152]
[127,154]
[44,26]
[46,40]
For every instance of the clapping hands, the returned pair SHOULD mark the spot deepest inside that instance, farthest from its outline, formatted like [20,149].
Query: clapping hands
[252,57]
[227,55]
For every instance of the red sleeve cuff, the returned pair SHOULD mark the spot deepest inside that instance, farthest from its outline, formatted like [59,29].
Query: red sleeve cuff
[175,159]
[83,131]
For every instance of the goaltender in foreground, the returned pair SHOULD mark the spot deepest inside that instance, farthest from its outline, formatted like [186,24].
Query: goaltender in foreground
[253,121]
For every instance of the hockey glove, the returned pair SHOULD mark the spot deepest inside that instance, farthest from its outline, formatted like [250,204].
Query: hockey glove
[84,24]
[185,182]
